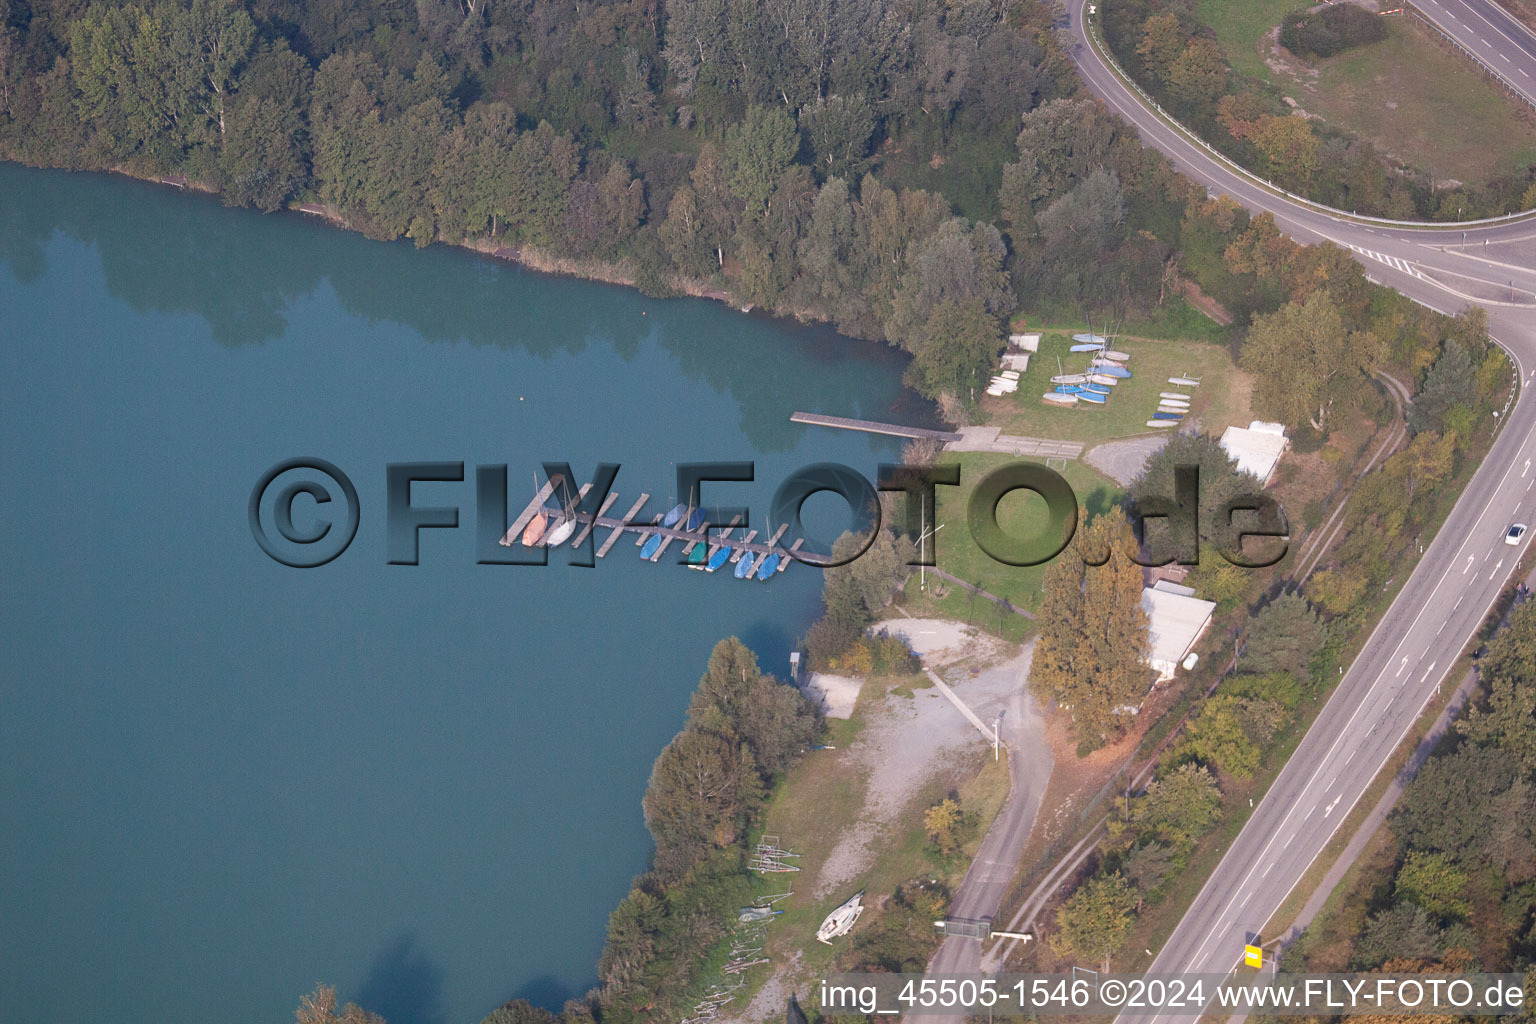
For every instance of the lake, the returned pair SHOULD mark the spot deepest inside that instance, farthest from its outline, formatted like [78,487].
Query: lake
[226,779]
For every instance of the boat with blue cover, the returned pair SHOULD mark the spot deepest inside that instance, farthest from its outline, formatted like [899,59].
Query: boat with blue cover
[1091,398]
[1095,389]
[768,566]
[744,567]
[1167,415]
[671,518]
[650,546]
[1113,371]
[719,558]
[1089,347]
[695,521]
[1069,389]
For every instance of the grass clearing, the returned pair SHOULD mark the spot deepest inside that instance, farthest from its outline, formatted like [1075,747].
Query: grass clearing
[1240,26]
[1409,96]
[1020,514]
[1422,104]
[1217,402]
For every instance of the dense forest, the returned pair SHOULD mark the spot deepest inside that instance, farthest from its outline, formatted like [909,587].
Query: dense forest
[805,156]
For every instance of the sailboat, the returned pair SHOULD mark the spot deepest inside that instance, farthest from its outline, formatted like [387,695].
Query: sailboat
[744,567]
[650,547]
[718,559]
[677,512]
[841,920]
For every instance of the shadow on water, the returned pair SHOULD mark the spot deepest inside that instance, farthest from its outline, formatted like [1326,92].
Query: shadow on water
[242,272]
[404,985]
[546,991]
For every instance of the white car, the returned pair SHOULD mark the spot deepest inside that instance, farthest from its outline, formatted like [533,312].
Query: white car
[1514,533]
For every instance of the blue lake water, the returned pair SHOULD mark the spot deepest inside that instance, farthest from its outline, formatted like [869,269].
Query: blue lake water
[225,779]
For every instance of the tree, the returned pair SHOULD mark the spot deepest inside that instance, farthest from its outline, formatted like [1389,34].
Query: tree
[1198,75]
[1303,360]
[1336,591]
[1508,670]
[959,347]
[1404,930]
[693,801]
[1433,882]
[1163,40]
[1450,382]
[1146,865]
[1220,483]
[1095,919]
[1179,806]
[757,151]
[1291,148]
[1231,731]
[943,823]
[839,129]
[319,1007]
[1285,636]
[1090,655]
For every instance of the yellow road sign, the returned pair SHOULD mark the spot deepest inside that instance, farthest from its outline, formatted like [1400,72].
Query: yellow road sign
[1253,956]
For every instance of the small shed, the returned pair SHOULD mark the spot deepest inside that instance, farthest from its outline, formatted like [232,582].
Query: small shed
[1256,448]
[1025,342]
[1176,620]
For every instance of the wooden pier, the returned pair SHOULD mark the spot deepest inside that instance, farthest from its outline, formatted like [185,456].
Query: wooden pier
[871,427]
[644,530]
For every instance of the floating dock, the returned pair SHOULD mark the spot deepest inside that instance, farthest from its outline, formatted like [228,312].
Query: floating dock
[644,530]
[871,427]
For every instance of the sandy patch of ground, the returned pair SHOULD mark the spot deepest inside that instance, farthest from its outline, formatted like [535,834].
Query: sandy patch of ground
[836,695]
[907,740]
[1123,461]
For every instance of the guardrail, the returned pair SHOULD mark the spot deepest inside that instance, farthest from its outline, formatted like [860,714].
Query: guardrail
[1102,50]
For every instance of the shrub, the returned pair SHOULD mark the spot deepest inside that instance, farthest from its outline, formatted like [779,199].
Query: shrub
[1330,31]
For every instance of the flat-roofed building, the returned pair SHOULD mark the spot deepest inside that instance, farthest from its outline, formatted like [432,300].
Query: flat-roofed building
[1176,619]
[1256,448]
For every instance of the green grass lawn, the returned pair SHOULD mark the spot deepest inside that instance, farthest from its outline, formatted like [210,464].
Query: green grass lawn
[1409,96]
[1425,106]
[1021,514]
[1220,400]
[1240,24]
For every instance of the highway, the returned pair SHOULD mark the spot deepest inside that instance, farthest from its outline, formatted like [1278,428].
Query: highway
[1442,604]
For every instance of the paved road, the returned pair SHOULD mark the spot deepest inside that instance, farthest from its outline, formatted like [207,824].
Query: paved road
[985,884]
[1448,595]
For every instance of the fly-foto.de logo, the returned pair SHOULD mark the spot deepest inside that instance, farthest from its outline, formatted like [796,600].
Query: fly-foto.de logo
[563,512]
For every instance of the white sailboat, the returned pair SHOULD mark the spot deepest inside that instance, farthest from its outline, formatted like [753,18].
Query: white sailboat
[841,920]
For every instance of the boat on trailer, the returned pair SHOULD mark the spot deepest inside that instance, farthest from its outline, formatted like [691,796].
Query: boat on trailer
[841,920]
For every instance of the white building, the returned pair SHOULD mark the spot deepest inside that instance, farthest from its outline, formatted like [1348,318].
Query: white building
[1176,619]
[1256,448]
[1028,342]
